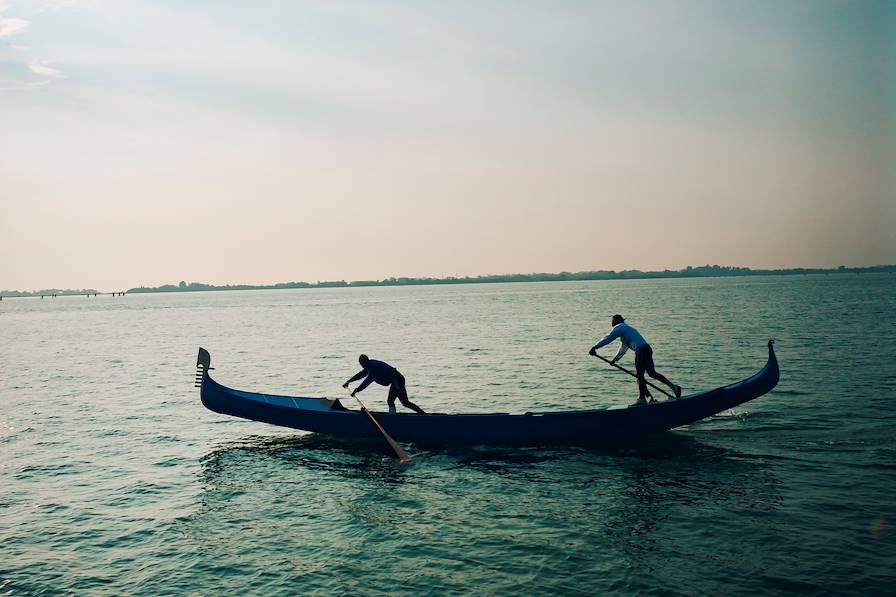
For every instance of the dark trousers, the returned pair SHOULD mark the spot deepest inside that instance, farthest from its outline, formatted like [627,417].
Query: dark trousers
[399,390]
[644,364]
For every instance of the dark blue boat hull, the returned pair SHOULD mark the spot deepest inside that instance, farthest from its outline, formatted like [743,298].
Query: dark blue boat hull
[581,427]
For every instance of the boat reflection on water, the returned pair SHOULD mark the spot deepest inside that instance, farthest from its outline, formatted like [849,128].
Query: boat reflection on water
[254,455]
[328,505]
[669,470]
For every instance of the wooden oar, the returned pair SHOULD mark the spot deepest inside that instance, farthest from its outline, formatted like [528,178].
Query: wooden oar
[402,455]
[608,361]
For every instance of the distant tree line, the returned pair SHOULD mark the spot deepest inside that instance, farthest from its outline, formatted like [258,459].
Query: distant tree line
[48,292]
[703,271]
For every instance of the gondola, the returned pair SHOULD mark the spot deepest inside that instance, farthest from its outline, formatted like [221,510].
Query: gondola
[607,425]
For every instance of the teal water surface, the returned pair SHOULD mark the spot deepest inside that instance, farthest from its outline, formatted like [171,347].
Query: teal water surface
[115,480]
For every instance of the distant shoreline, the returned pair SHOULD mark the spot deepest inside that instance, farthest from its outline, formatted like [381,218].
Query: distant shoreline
[704,271]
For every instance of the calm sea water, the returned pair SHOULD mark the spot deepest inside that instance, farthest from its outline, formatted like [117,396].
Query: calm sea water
[115,480]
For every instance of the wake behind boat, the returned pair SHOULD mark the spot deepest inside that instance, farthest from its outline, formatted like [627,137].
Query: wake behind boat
[614,424]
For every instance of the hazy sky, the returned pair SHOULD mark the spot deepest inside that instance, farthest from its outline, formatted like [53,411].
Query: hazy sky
[255,142]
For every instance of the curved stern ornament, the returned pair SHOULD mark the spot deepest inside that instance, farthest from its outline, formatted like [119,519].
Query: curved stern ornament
[203,366]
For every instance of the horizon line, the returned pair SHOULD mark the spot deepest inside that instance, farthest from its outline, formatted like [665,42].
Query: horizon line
[586,275]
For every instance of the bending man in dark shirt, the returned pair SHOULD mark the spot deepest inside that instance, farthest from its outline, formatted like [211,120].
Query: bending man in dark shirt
[385,375]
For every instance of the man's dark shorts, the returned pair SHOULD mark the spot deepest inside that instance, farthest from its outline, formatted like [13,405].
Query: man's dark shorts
[397,389]
[644,361]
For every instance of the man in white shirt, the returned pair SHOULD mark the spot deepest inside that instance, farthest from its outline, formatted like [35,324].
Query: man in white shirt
[630,338]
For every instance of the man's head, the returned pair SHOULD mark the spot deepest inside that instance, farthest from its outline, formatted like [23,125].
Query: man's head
[363,360]
[617,319]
